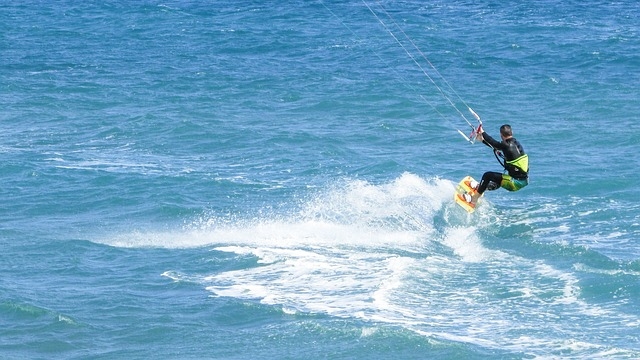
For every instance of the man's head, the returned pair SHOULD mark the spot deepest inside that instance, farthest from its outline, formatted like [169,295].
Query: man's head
[505,131]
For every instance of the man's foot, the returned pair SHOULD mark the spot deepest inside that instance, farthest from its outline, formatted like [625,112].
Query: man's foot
[468,199]
[472,184]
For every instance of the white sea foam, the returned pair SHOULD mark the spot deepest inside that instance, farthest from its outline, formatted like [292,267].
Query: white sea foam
[395,253]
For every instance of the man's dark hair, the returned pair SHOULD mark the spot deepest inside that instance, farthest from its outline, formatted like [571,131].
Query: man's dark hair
[505,130]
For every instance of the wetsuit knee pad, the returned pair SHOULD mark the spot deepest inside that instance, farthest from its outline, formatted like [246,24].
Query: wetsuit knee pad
[492,185]
[490,181]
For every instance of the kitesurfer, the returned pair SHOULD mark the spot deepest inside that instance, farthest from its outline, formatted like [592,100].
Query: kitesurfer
[515,162]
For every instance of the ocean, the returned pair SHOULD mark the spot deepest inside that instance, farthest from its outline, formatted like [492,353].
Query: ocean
[274,180]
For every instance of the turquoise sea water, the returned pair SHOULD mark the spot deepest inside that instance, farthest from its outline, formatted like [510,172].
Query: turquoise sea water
[274,180]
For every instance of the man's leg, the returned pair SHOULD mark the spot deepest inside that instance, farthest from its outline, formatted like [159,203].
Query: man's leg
[488,178]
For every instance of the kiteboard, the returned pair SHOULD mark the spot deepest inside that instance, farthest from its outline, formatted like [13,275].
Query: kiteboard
[464,188]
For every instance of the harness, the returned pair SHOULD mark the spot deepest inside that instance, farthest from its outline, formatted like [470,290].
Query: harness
[518,167]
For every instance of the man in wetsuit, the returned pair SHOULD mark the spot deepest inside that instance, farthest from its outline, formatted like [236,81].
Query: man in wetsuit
[516,165]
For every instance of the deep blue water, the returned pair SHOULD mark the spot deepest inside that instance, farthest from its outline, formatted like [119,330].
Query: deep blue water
[244,180]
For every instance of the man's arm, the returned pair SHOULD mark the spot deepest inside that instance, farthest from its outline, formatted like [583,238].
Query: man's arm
[490,142]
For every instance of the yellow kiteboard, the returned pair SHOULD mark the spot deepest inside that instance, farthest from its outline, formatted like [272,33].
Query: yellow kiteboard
[464,188]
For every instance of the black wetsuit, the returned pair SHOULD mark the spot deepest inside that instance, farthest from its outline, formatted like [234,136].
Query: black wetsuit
[512,150]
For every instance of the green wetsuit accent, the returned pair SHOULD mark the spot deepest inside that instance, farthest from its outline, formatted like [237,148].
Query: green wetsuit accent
[512,184]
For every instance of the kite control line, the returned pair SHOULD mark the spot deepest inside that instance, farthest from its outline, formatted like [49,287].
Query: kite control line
[430,72]
[475,131]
